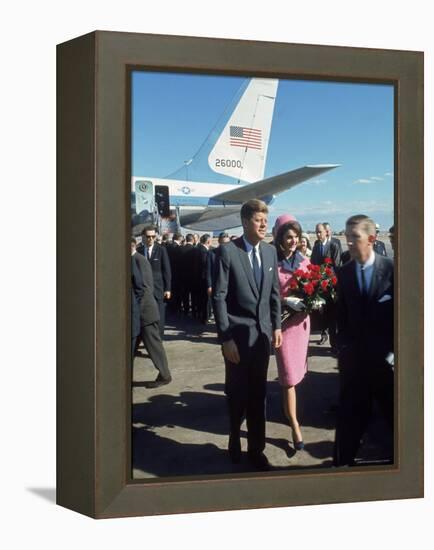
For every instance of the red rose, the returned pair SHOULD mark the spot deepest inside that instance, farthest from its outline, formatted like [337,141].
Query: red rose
[298,273]
[309,289]
[328,260]
[310,267]
[315,268]
[324,285]
[329,271]
[293,284]
[334,281]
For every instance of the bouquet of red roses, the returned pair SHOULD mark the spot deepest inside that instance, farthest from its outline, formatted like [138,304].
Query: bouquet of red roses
[312,287]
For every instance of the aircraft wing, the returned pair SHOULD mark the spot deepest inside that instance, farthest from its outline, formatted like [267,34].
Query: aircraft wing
[273,185]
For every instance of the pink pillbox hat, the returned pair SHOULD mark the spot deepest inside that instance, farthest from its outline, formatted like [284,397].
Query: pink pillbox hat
[282,219]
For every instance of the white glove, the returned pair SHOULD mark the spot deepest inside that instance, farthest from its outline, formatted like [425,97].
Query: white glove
[318,304]
[294,303]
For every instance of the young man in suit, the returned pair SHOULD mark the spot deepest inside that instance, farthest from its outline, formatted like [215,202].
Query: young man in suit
[142,285]
[159,260]
[365,338]
[247,312]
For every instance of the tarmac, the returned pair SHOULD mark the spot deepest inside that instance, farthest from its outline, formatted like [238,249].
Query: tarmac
[181,429]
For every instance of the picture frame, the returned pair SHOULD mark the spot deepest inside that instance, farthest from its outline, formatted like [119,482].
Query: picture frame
[93,194]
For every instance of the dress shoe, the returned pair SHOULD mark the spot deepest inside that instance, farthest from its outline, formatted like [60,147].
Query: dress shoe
[159,381]
[324,339]
[259,461]
[234,449]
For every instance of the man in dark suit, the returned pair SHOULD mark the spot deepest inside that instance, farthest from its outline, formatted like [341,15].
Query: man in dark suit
[189,268]
[330,238]
[247,312]
[174,251]
[143,290]
[203,301]
[211,260]
[365,338]
[324,248]
[159,260]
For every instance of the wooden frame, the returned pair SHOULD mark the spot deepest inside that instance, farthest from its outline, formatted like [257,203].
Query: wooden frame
[93,380]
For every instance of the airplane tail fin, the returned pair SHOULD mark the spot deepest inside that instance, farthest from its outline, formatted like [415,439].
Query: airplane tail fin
[241,149]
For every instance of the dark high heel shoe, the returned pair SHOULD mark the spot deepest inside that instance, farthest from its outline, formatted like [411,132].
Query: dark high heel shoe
[299,445]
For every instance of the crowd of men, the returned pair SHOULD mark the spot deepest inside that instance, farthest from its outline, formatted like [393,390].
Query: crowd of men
[181,273]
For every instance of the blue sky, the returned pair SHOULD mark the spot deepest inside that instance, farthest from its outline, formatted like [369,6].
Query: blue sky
[314,123]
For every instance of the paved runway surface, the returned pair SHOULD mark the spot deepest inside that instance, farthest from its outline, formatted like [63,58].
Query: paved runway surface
[181,429]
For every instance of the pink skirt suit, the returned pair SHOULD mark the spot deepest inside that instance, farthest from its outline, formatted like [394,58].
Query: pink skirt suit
[291,357]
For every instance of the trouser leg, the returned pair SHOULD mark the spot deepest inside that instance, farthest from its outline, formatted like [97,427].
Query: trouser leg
[246,390]
[161,323]
[352,419]
[151,338]
[257,386]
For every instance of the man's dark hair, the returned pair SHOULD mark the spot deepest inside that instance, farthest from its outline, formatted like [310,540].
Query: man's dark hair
[252,207]
[392,229]
[149,228]
[281,232]
[205,237]
[189,238]
[176,237]
[223,235]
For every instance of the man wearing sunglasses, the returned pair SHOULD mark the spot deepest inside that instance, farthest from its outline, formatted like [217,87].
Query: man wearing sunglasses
[159,260]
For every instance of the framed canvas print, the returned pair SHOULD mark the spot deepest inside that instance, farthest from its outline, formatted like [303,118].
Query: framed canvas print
[177,157]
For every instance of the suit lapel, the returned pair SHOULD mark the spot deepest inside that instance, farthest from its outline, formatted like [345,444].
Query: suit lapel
[264,265]
[244,258]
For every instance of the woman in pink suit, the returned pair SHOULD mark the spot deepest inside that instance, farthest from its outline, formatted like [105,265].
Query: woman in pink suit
[292,355]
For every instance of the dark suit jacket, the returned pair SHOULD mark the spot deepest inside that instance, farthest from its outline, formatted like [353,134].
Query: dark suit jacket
[144,290]
[241,311]
[331,250]
[161,271]
[365,327]
[203,253]
[211,263]
[189,263]
[174,252]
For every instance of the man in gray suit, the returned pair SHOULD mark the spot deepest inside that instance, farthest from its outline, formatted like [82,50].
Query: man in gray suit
[247,313]
[143,289]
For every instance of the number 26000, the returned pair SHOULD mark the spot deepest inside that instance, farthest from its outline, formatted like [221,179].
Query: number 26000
[227,163]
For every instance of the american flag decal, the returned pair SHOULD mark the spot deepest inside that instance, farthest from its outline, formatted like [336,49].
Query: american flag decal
[250,138]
